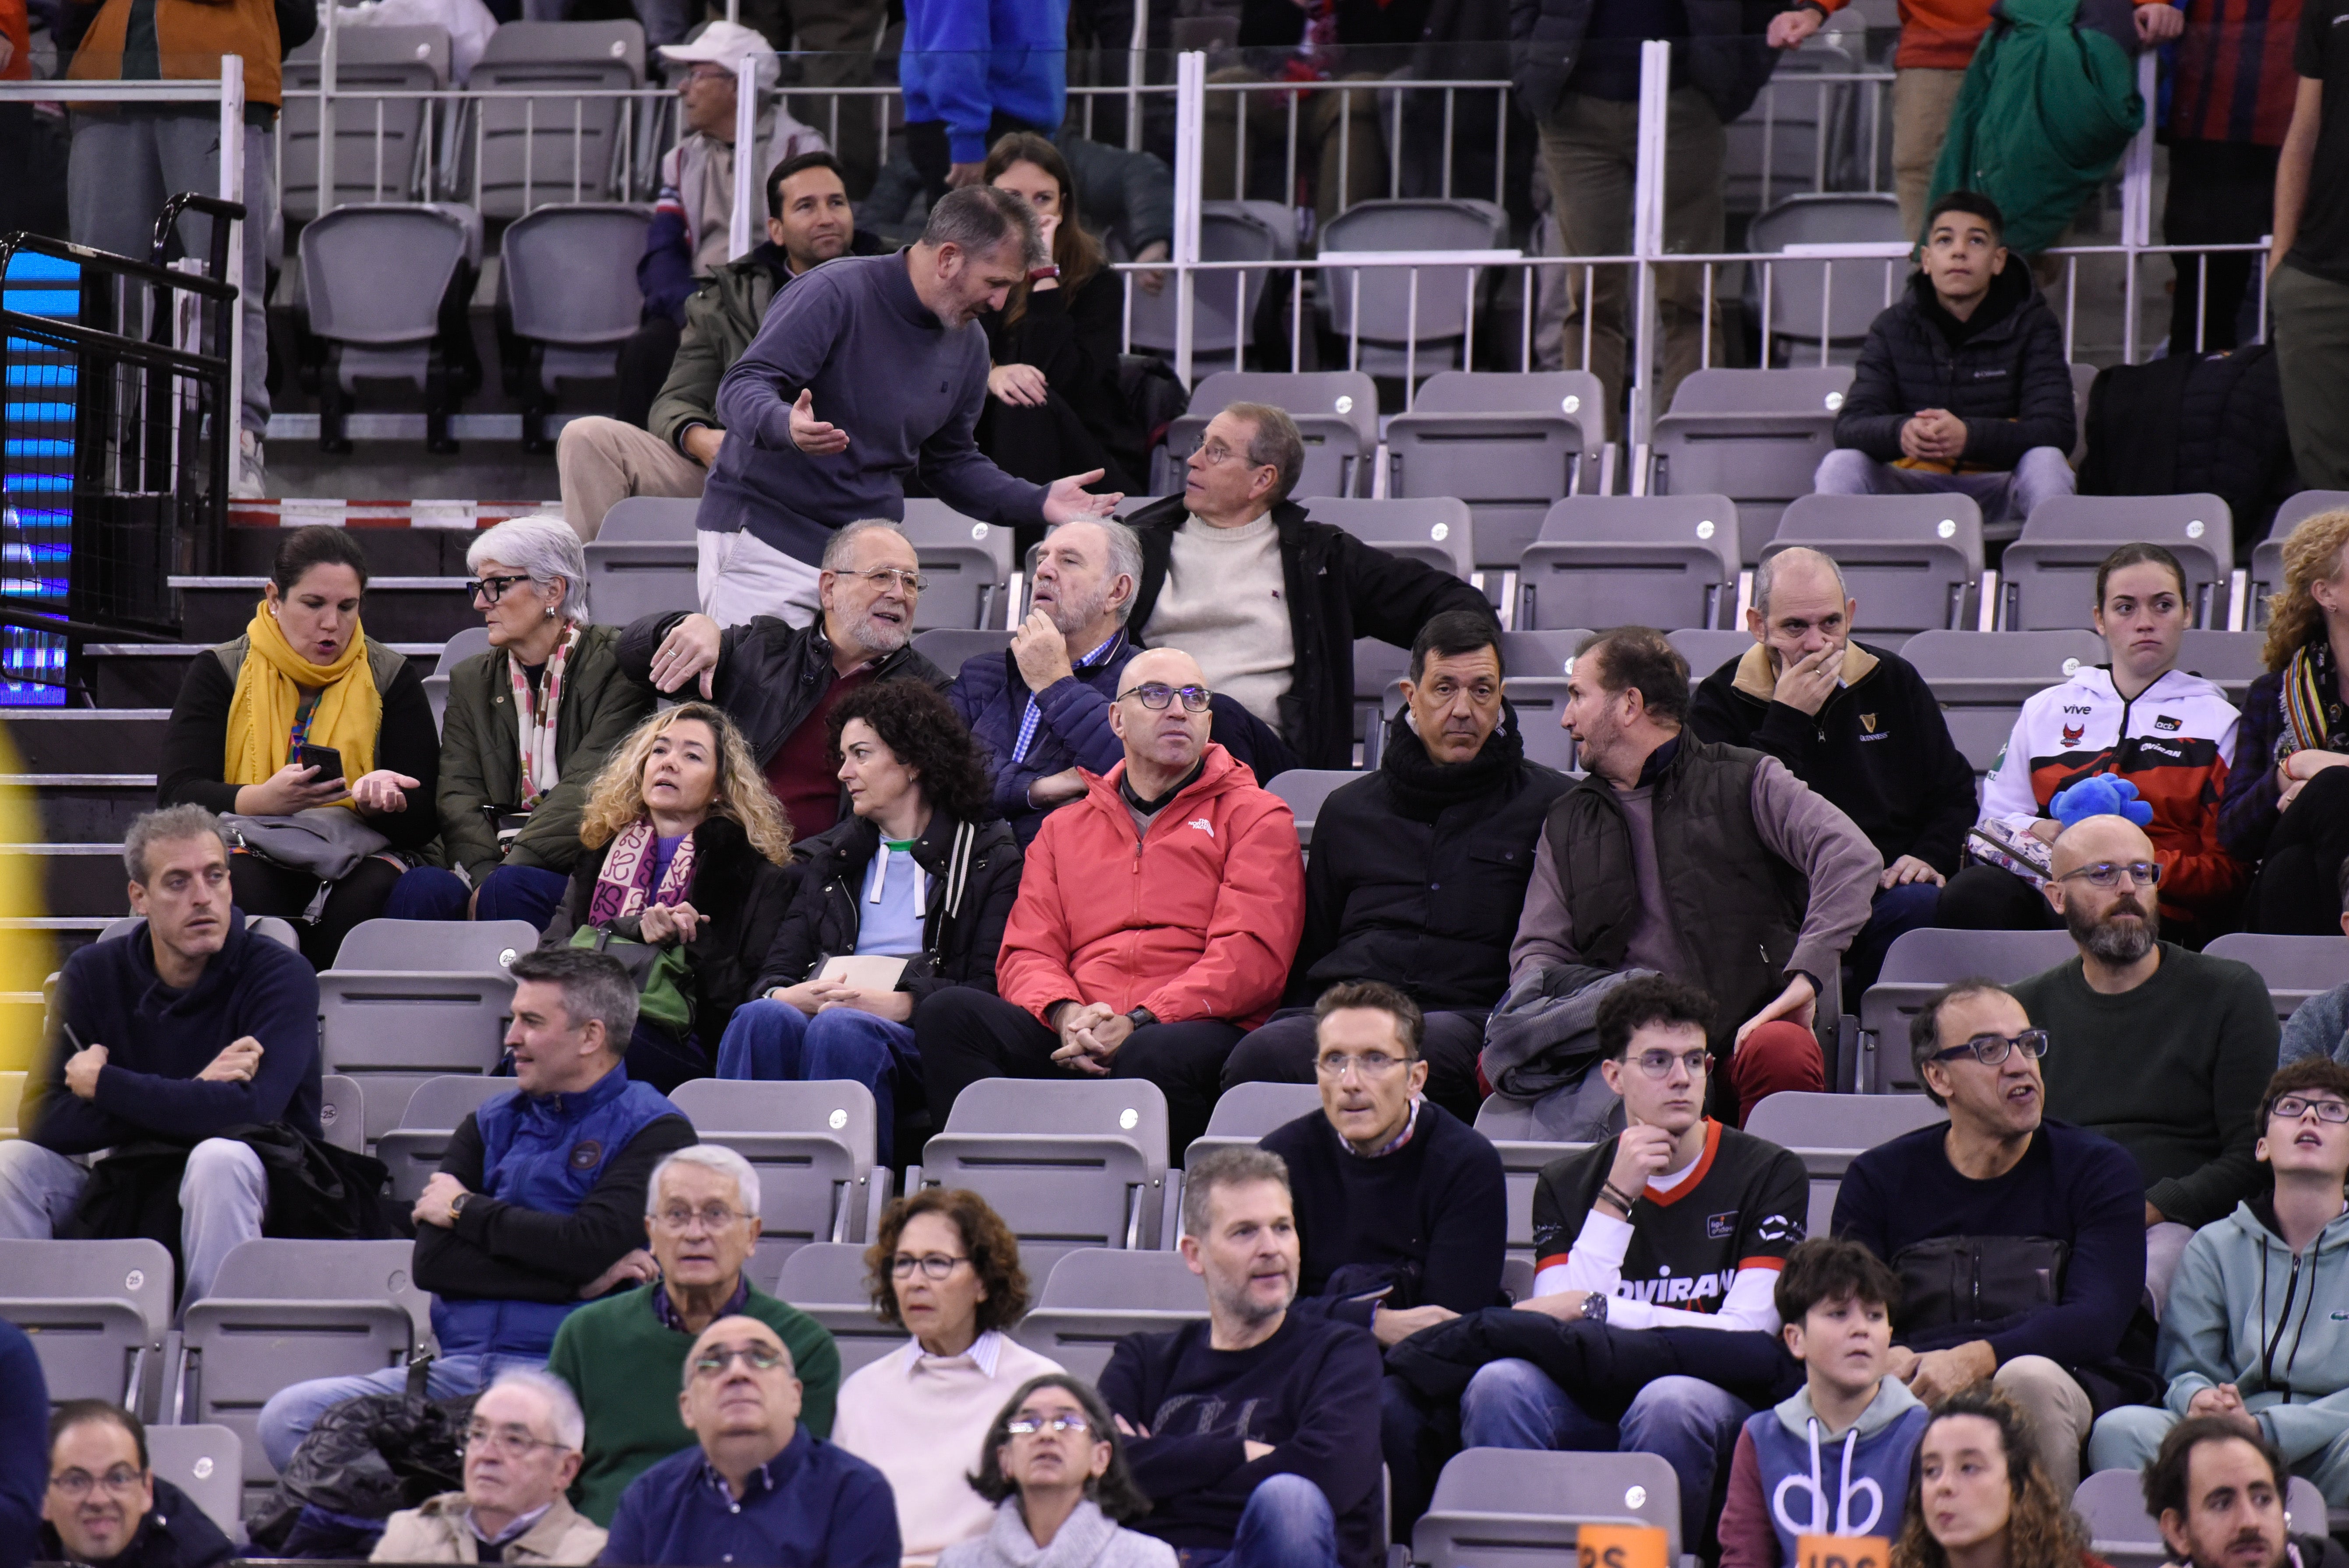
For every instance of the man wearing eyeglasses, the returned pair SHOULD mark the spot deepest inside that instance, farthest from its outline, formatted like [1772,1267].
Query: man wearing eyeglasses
[521,1449]
[2165,1050]
[779,681]
[758,1487]
[1155,921]
[106,1506]
[2247,1334]
[2018,1238]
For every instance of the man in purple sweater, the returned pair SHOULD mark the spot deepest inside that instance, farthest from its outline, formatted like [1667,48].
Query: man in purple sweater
[865,370]
[184,1029]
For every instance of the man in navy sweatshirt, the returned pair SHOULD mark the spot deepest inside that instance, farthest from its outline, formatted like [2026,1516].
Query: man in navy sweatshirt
[863,371]
[2043,1221]
[185,1028]
[1256,1433]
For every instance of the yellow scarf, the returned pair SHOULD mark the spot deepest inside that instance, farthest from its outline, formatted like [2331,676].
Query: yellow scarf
[269,695]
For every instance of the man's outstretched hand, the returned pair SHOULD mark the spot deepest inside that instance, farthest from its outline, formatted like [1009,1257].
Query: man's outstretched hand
[1067,499]
[811,435]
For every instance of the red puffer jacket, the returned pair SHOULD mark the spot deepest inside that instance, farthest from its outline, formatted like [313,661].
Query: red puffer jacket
[1197,919]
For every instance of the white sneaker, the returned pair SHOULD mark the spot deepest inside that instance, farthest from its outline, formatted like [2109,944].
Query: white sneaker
[252,481]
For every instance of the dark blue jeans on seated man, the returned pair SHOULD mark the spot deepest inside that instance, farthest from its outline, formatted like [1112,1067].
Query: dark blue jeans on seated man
[775,1041]
[509,892]
[1690,1424]
[1287,1524]
[1895,912]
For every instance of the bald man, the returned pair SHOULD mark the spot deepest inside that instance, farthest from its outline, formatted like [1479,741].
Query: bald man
[1157,916]
[1858,724]
[2164,1051]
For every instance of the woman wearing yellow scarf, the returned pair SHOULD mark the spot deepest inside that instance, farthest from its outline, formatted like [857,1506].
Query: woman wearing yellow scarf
[305,673]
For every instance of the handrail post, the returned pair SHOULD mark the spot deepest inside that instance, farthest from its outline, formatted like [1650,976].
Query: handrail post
[329,54]
[746,152]
[1190,125]
[2136,200]
[1137,52]
[228,440]
[1647,230]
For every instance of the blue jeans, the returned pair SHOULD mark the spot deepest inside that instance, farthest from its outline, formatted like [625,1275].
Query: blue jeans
[1895,912]
[2002,495]
[293,1410]
[509,892]
[1687,1422]
[776,1042]
[1287,1524]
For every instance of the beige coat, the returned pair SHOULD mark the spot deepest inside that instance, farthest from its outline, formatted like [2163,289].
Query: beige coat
[436,1532]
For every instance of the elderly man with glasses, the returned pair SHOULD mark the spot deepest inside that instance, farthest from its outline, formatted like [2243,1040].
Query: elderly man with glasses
[620,1353]
[2018,1238]
[1157,919]
[521,1449]
[2167,1050]
[758,1487]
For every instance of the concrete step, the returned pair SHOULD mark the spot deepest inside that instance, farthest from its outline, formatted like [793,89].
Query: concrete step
[86,740]
[85,880]
[149,674]
[397,609]
[26,966]
[389,551]
[85,808]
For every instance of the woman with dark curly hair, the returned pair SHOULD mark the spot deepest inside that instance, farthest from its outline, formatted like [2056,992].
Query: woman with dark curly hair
[944,1268]
[908,896]
[1054,1466]
[1979,1498]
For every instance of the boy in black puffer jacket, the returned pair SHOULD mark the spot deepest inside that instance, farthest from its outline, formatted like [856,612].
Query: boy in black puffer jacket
[1963,385]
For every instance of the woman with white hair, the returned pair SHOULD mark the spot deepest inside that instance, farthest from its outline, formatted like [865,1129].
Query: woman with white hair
[529,724]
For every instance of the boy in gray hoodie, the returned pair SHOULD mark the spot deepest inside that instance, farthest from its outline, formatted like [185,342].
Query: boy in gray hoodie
[2256,1330]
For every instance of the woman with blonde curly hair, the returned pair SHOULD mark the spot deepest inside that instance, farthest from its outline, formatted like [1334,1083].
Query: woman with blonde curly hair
[682,844]
[1978,1497]
[2287,805]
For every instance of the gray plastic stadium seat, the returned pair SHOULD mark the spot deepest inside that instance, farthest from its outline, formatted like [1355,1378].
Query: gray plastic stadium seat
[1220,326]
[2230,659]
[1707,650]
[1649,561]
[1755,436]
[1376,305]
[1920,963]
[827,1281]
[1095,1296]
[568,274]
[1243,1113]
[1305,788]
[413,1151]
[642,562]
[207,1463]
[97,1313]
[2112,1504]
[1506,444]
[282,1311]
[2295,967]
[1066,1164]
[378,142]
[1522,1160]
[1434,530]
[1914,563]
[273,927]
[1336,412]
[1850,292]
[372,279]
[1827,1130]
[969,564]
[342,1111]
[1799,134]
[455,651]
[1531,653]
[554,145]
[412,999]
[811,1142]
[2267,561]
[951,648]
[1540,702]
[2050,571]
[1506,1507]
[1983,679]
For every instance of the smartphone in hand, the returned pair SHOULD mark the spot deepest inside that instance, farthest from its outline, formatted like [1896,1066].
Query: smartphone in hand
[324,758]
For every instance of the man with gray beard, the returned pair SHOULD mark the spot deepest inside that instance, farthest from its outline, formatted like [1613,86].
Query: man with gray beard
[2163,1050]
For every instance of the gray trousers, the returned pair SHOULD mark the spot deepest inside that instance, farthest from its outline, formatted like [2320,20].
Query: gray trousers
[2043,471]
[2312,345]
[126,163]
[221,1197]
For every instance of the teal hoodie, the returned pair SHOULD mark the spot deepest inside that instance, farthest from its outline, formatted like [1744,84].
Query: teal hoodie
[2245,1310]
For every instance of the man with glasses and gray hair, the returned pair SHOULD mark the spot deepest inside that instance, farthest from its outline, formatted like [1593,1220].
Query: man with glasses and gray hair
[702,1216]
[2141,1019]
[1156,924]
[2018,1238]
[522,1450]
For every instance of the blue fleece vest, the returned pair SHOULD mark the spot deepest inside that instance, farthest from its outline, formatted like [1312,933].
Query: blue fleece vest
[544,1152]
[1812,1484]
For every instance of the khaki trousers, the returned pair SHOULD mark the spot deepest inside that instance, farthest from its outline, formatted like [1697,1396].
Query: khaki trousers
[2058,1411]
[1921,100]
[601,462]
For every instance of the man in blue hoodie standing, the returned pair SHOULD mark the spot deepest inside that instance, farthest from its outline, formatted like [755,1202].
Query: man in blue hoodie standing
[974,71]
[538,1205]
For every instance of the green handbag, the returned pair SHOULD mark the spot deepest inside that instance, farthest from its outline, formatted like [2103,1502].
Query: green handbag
[663,973]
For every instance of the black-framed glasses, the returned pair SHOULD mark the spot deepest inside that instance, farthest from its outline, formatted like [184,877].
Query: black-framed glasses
[1659,1064]
[887,577]
[713,1362]
[487,590]
[76,1484]
[1026,1425]
[2292,1106]
[513,1442]
[2108,873]
[1992,1050]
[1155,695]
[936,1266]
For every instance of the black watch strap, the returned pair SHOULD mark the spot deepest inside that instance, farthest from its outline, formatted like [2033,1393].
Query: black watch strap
[1141,1018]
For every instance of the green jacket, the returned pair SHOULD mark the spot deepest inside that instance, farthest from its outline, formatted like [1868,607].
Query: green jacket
[480,754]
[2243,1310]
[2045,110]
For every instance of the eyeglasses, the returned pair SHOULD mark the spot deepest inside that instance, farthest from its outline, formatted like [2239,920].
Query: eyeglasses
[2292,1106]
[2108,873]
[1992,1050]
[1155,695]
[887,577]
[936,1266]
[1369,1064]
[713,1362]
[513,1442]
[1216,454]
[488,591]
[709,71]
[1659,1064]
[1024,1425]
[716,1217]
[121,1480]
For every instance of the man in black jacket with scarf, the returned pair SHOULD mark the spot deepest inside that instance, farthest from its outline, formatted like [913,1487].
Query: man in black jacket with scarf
[1269,602]
[1419,870]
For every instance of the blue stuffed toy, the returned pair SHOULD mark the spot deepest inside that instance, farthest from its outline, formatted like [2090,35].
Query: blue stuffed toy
[2100,795]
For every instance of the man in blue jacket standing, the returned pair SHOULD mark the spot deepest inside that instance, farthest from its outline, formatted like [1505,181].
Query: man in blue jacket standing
[538,1204]
[974,71]
[183,1029]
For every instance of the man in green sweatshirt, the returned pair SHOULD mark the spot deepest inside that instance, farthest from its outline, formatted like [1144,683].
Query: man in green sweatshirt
[2163,1050]
[624,1355]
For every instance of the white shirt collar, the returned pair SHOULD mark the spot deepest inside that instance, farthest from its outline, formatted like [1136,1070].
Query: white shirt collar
[983,1353]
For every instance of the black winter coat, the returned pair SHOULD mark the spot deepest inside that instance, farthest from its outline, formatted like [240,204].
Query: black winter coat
[1418,872]
[740,895]
[1728,61]
[2008,380]
[1606,1366]
[972,887]
[1338,589]
[175,1534]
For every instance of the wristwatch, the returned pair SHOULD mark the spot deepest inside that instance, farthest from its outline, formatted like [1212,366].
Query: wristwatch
[1594,1307]
[457,1206]
[1141,1018]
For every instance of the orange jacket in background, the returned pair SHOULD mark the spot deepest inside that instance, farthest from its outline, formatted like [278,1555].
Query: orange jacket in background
[191,35]
[17,28]
[1937,35]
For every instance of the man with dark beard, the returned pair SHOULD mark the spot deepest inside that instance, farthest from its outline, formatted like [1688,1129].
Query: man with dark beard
[2163,1050]
[2218,1493]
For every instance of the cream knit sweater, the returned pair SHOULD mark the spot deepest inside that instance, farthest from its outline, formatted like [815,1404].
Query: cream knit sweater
[1226,604]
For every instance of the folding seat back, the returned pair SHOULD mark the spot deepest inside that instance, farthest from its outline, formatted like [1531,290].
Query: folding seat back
[1540,702]
[568,274]
[342,1111]
[269,925]
[1755,436]
[642,561]
[1066,1164]
[1530,653]
[378,152]
[1305,788]
[1337,413]
[2050,571]
[1523,1160]
[951,648]
[207,1463]
[2231,660]
[969,564]
[1798,133]
[1920,963]
[454,652]
[813,1144]
[542,138]
[1706,650]
[1514,1508]
[1224,303]
[1246,1112]
[827,1281]
[2267,560]
[1828,1130]
[1095,1296]
[1385,309]
[1811,299]
[1506,444]
[1969,669]
[2295,967]
[413,1151]
[97,1313]
[1913,562]
[412,999]
[1434,530]
[373,279]
[1649,561]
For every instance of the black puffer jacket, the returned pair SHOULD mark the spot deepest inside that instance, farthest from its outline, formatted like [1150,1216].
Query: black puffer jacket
[175,1534]
[2006,377]
[974,872]
[1727,59]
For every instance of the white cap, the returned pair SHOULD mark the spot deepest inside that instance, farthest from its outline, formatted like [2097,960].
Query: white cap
[728,43]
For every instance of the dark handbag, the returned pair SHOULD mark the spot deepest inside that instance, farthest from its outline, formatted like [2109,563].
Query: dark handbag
[1951,1281]
[364,1460]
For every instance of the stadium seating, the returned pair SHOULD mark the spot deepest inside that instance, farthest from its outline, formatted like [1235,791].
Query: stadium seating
[455,651]
[1707,649]
[2230,659]
[2267,560]
[1406,320]
[2112,1504]
[1523,1158]
[373,279]
[1305,788]
[1540,702]
[342,1112]
[410,999]
[1799,133]
[98,1314]
[1245,1112]
[950,647]
[1811,300]
[1508,1507]
[1096,1295]
[1336,412]
[413,1151]
[1920,963]
[2050,570]
[1224,303]
[1652,560]
[567,274]
[1755,436]
[1506,445]
[207,1463]
[1828,1130]
[813,1144]
[969,564]
[1913,562]
[1436,530]
[547,128]
[1983,681]
[642,562]
[2295,967]
[379,151]
[827,1281]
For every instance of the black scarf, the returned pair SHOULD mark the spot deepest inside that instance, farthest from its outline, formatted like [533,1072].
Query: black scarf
[1152,808]
[1423,786]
